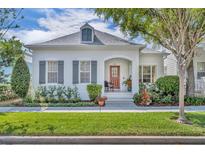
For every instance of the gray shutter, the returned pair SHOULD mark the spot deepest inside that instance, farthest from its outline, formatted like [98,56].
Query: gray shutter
[93,71]
[60,72]
[42,72]
[75,72]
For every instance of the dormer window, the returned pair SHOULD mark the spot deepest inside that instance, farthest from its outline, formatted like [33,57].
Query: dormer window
[87,35]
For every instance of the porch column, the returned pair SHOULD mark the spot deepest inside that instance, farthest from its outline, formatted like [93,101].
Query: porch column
[101,75]
[135,76]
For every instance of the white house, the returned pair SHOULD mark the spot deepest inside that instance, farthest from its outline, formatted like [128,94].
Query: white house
[92,56]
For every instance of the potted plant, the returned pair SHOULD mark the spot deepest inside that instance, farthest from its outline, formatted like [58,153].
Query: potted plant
[128,83]
[101,100]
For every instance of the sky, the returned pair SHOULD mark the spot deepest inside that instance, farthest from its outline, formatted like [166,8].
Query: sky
[41,25]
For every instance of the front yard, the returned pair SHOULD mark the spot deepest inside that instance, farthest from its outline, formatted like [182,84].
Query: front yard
[100,124]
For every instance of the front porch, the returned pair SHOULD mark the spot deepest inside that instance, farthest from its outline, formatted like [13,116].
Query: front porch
[118,75]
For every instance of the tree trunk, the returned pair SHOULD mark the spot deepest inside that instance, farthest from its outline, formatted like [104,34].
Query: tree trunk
[182,71]
[190,86]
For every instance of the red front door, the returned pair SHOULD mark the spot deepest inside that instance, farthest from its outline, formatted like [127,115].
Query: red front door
[115,76]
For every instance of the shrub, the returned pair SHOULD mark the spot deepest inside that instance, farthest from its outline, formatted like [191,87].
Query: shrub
[54,94]
[145,97]
[28,99]
[169,85]
[60,92]
[142,98]
[6,92]
[194,100]
[68,92]
[137,98]
[75,93]
[41,94]
[167,99]
[20,78]
[51,92]
[155,97]
[94,90]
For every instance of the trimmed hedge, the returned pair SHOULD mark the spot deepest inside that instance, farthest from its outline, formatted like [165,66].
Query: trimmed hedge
[20,78]
[55,94]
[169,85]
[94,90]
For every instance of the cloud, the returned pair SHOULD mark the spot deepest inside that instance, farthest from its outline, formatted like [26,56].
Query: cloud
[56,23]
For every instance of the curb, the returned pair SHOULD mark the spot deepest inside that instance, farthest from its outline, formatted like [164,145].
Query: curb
[102,140]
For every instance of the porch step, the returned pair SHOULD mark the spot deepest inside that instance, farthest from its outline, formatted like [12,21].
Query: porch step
[119,100]
[119,96]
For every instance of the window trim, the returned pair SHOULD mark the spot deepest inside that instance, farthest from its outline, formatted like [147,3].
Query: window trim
[47,72]
[151,65]
[79,76]
[92,35]
[199,71]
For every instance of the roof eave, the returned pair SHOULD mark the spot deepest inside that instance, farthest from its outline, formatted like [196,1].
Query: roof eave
[140,46]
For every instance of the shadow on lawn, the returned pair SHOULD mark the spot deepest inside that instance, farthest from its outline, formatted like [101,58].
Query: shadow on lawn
[8,128]
[197,119]
[2,114]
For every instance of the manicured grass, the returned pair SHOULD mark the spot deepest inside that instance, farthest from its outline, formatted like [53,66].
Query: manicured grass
[19,103]
[78,104]
[26,123]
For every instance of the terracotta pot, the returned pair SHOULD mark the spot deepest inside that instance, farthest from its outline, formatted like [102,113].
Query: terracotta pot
[101,103]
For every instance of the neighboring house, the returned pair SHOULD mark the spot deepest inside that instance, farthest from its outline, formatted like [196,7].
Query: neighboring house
[170,65]
[92,56]
[199,68]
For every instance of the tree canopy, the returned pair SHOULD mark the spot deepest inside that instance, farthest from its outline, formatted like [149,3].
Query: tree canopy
[174,29]
[10,49]
[179,30]
[8,20]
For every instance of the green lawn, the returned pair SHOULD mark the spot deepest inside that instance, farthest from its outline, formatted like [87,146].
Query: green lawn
[99,124]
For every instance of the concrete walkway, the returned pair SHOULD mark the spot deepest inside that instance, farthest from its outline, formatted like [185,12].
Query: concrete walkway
[102,140]
[107,108]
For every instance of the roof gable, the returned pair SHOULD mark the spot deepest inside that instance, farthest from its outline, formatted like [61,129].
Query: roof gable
[100,38]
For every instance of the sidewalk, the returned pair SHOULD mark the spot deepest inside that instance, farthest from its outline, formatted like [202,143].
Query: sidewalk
[102,109]
[102,140]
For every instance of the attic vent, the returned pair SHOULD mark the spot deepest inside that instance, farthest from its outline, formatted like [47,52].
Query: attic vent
[87,35]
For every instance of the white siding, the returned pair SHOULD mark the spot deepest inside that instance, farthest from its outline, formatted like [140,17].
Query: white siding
[153,59]
[171,65]
[129,55]
[200,57]
[100,54]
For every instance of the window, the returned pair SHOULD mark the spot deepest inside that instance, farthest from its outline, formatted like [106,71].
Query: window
[85,72]
[87,34]
[52,71]
[147,73]
[200,70]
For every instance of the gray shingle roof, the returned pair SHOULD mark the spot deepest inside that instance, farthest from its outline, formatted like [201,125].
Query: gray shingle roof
[100,38]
